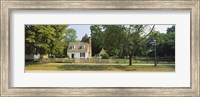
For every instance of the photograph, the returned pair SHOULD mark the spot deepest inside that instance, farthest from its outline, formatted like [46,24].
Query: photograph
[78,47]
[100,48]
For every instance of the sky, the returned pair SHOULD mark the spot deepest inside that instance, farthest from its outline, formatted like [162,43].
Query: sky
[81,30]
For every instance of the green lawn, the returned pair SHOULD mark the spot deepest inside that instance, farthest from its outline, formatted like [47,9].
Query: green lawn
[85,67]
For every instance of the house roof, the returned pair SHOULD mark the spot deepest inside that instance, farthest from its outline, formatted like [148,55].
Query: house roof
[102,52]
[79,47]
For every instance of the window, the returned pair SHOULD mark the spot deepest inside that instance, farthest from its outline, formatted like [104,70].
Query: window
[82,54]
[72,47]
[82,47]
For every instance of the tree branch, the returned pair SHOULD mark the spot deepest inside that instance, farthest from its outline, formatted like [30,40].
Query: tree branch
[148,33]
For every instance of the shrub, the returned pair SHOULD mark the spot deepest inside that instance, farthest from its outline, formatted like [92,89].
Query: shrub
[105,56]
[96,56]
[68,60]
[67,56]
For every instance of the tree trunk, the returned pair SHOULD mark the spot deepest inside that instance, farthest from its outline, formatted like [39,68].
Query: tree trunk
[130,59]
[124,59]
[135,59]
[147,59]
[41,56]
[169,59]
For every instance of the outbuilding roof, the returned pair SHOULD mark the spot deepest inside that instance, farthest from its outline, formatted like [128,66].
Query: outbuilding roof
[102,52]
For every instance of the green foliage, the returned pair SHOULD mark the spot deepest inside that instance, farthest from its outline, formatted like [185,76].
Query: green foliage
[67,56]
[114,39]
[70,36]
[85,38]
[105,56]
[68,60]
[44,39]
[119,40]
[97,38]
[171,29]
[96,56]
[58,49]
[165,43]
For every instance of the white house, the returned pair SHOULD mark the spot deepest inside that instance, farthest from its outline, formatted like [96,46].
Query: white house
[80,50]
[32,56]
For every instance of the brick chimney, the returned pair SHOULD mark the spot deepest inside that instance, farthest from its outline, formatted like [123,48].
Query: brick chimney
[90,47]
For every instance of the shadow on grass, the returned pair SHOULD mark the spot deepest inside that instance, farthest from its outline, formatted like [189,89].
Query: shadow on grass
[116,68]
[97,67]
[34,63]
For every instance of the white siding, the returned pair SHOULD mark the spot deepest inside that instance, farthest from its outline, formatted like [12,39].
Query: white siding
[31,56]
[36,56]
[86,55]
[77,55]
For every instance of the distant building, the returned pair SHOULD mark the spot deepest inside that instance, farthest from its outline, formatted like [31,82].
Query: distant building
[80,50]
[34,56]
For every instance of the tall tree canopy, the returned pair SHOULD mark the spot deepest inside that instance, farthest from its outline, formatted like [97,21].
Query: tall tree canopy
[97,39]
[44,39]
[171,29]
[119,40]
[71,35]
[136,34]
[85,38]
[165,43]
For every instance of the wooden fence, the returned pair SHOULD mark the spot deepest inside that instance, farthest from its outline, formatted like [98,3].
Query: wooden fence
[94,60]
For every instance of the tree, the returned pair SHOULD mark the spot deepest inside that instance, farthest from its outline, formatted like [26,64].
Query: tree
[70,36]
[29,40]
[43,39]
[38,38]
[57,46]
[113,40]
[85,38]
[105,56]
[109,37]
[165,43]
[58,49]
[135,35]
[171,29]
[120,40]
[97,39]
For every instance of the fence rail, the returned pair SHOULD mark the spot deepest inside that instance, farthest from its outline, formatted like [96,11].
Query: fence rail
[95,60]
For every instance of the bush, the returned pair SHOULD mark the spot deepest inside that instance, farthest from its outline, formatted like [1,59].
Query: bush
[96,56]
[105,56]
[67,56]
[67,60]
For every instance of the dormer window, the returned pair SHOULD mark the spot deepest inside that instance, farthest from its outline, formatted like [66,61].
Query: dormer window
[72,47]
[82,47]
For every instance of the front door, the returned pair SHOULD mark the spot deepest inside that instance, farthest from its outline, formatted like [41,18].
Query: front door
[72,55]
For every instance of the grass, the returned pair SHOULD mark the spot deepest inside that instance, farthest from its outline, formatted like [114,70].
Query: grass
[78,67]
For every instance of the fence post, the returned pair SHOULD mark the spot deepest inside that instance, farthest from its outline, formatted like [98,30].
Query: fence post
[125,60]
[147,59]
[169,59]
[135,59]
